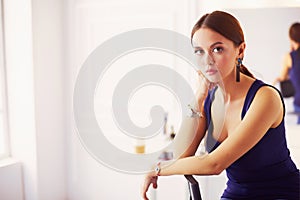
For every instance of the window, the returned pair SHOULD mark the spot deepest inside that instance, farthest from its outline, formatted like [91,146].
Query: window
[3,109]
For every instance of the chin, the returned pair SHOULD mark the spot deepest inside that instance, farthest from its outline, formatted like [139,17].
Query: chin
[214,79]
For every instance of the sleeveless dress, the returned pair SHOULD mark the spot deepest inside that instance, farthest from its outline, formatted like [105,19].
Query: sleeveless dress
[294,74]
[266,171]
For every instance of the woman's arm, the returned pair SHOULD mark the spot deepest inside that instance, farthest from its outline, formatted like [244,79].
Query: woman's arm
[189,136]
[262,115]
[192,130]
[191,133]
[287,64]
[186,142]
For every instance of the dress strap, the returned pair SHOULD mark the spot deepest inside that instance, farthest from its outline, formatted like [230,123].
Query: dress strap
[256,85]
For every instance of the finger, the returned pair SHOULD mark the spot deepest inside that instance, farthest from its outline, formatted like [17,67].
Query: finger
[144,190]
[202,77]
[154,186]
[203,81]
[200,74]
[145,198]
[149,180]
[154,182]
[144,195]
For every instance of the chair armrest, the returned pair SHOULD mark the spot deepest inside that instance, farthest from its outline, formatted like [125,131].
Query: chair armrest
[194,189]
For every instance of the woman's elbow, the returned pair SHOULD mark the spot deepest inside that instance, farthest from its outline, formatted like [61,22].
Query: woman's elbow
[213,167]
[216,168]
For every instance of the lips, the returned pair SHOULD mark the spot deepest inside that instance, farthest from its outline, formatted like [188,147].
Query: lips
[211,71]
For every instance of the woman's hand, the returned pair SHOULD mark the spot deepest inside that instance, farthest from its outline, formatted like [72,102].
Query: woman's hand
[150,178]
[203,86]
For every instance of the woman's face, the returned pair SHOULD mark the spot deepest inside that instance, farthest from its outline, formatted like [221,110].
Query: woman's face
[216,55]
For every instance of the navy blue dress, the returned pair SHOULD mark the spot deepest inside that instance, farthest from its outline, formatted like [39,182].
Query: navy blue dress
[294,74]
[264,172]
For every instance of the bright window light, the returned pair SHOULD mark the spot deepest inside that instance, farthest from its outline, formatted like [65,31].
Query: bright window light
[3,111]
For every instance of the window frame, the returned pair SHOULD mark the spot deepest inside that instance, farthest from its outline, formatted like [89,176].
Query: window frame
[3,88]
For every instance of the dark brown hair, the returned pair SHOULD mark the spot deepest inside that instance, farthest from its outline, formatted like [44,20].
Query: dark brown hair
[226,25]
[294,32]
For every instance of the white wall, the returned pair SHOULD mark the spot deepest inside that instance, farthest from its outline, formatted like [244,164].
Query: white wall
[210,5]
[19,69]
[267,40]
[89,24]
[11,184]
[49,87]
[34,66]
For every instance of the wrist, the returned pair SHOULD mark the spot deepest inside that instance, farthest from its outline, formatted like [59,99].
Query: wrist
[194,112]
[157,169]
[200,102]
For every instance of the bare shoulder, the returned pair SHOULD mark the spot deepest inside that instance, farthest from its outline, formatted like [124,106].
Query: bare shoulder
[267,101]
[266,98]
[268,93]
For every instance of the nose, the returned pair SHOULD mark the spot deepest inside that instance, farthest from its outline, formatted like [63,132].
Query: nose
[210,60]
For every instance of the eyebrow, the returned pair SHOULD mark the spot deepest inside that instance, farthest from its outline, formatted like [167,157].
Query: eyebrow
[214,44]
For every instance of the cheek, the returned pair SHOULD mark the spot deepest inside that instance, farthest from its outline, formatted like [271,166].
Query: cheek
[225,64]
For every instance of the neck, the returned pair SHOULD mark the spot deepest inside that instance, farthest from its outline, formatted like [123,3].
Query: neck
[295,46]
[232,89]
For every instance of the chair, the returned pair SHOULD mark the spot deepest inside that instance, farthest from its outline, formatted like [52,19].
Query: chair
[194,189]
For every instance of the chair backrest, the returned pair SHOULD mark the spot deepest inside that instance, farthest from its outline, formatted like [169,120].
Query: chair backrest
[193,188]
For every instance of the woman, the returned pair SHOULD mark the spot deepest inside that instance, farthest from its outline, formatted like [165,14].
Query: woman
[291,65]
[250,143]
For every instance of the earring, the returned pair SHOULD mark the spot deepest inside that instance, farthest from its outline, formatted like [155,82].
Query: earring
[238,69]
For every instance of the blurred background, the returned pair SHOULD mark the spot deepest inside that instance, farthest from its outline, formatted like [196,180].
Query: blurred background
[44,43]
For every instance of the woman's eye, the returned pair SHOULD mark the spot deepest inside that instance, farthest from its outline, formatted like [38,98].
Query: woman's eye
[199,52]
[218,50]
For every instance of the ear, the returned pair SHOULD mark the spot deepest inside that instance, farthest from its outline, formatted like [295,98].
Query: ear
[241,50]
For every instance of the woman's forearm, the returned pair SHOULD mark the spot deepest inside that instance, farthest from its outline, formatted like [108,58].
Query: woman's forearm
[198,165]
[186,142]
[189,136]
[191,132]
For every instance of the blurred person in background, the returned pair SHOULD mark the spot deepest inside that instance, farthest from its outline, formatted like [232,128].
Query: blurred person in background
[291,66]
